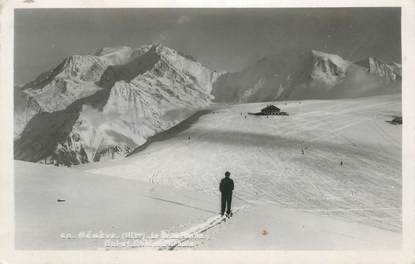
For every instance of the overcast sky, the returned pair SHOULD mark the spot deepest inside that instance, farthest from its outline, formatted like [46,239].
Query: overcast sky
[222,39]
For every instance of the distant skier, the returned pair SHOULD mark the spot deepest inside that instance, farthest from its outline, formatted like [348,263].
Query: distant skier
[302,151]
[341,163]
[226,187]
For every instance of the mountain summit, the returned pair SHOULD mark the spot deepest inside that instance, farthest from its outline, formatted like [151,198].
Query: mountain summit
[102,106]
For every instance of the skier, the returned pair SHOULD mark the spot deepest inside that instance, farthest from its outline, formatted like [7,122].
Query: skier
[341,163]
[226,188]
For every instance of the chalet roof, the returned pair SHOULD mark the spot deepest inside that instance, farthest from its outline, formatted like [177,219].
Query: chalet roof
[270,108]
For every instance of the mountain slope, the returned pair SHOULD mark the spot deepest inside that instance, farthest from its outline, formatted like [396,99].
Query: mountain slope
[264,156]
[307,75]
[104,106]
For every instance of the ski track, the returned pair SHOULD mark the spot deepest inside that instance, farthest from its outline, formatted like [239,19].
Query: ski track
[189,234]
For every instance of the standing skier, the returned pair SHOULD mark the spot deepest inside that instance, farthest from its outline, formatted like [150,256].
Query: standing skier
[226,188]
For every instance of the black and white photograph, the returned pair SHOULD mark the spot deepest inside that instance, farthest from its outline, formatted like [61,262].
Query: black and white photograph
[205,129]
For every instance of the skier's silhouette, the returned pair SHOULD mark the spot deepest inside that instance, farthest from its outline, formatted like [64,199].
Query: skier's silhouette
[226,188]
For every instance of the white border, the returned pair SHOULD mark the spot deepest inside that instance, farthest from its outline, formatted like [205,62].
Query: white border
[9,255]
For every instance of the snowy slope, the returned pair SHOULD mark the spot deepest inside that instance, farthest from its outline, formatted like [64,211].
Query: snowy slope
[171,219]
[103,106]
[270,227]
[265,157]
[95,203]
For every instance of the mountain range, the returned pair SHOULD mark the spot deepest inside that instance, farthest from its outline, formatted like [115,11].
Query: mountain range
[104,105]
[298,75]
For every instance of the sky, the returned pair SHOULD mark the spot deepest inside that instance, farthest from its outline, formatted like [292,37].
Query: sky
[221,39]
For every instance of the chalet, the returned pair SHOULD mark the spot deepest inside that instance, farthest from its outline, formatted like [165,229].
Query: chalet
[270,110]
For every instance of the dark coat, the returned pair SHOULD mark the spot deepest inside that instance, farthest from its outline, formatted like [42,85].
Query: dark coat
[226,185]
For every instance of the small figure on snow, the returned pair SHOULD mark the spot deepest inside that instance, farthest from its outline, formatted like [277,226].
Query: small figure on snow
[341,163]
[302,151]
[226,187]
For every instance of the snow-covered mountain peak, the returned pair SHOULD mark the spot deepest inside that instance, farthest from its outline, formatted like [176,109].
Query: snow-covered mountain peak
[328,68]
[186,64]
[109,102]
[333,58]
[71,80]
[389,71]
